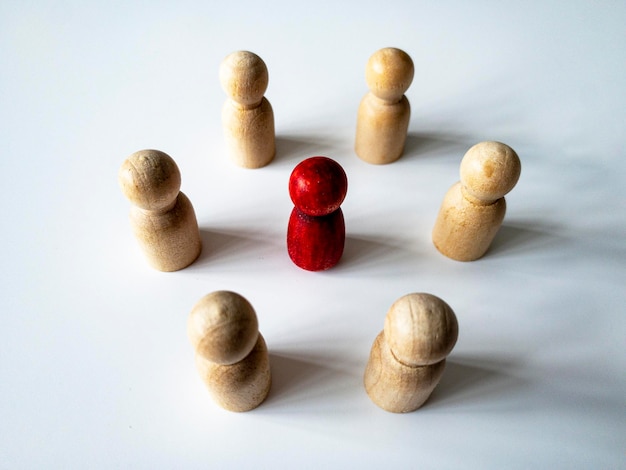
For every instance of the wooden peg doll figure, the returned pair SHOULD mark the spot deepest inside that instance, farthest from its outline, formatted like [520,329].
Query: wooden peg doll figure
[408,357]
[384,112]
[473,209]
[247,116]
[162,217]
[231,355]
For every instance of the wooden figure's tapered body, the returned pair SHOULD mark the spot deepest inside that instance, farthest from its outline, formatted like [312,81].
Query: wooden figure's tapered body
[397,387]
[162,218]
[381,129]
[473,209]
[247,116]
[464,229]
[408,357]
[169,240]
[241,386]
[249,133]
[316,231]
[231,355]
[384,113]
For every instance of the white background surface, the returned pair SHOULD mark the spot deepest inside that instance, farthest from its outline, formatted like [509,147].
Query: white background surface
[95,367]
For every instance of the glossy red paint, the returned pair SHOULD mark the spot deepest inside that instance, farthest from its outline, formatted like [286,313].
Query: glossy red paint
[316,243]
[318,186]
[316,233]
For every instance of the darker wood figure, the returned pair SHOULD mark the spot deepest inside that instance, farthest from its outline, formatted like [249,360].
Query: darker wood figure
[408,357]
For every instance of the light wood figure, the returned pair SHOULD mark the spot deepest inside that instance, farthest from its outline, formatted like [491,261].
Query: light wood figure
[384,112]
[408,357]
[473,209]
[231,354]
[162,217]
[247,116]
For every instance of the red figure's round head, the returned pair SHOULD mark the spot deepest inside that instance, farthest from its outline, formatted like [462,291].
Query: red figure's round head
[318,186]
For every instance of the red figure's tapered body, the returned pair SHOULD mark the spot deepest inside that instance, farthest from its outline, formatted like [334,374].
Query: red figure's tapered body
[316,233]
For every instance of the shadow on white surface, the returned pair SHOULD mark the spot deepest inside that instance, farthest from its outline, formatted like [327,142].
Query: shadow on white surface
[303,382]
[375,255]
[225,246]
[366,252]
[293,148]
[428,144]
[308,382]
[231,247]
[472,381]
[522,236]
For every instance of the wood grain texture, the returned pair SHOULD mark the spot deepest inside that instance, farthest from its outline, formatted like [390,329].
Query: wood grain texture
[223,327]
[241,386]
[408,357]
[384,113]
[473,209]
[421,329]
[394,386]
[231,355]
[161,217]
[247,116]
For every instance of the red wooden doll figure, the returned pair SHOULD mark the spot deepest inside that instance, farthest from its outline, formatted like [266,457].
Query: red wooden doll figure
[316,233]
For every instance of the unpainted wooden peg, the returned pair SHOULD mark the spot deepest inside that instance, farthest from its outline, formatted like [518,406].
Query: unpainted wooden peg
[162,217]
[231,355]
[408,357]
[384,112]
[247,116]
[473,209]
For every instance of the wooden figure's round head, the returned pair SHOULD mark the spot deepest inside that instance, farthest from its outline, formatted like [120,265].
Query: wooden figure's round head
[489,170]
[420,329]
[389,73]
[150,179]
[223,327]
[244,78]
[318,186]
